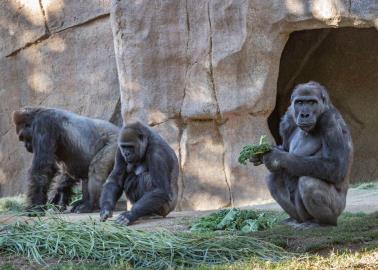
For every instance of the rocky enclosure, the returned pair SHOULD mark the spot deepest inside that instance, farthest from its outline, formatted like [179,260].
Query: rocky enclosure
[203,73]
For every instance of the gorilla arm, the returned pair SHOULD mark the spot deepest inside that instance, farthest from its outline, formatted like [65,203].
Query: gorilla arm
[113,187]
[43,167]
[332,164]
[156,199]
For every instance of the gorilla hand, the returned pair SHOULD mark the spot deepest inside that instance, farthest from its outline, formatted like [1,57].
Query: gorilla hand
[123,219]
[256,160]
[105,214]
[273,159]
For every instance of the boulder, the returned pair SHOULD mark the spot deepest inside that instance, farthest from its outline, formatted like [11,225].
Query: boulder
[21,23]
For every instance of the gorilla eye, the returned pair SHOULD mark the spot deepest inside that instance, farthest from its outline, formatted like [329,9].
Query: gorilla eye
[299,102]
[313,102]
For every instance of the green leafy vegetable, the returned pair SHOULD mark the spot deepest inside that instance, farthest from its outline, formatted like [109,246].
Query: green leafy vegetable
[251,150]
[236,220]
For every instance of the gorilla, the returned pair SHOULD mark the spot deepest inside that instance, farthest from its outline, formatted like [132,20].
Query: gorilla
[79,147]
[146,169]
[309,172]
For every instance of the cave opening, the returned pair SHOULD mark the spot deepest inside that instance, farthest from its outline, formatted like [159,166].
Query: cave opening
[345,61]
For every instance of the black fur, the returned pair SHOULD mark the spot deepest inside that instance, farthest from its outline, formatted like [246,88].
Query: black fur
[146,169]
[82,147]
[310,171]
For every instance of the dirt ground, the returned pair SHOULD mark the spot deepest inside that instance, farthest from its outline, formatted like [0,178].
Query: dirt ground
[358,200]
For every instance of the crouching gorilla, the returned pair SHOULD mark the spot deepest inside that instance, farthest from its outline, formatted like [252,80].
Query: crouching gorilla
[81,147]
[146,169]
[310,170]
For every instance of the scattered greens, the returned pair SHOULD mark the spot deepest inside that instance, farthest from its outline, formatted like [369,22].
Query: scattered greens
[251,150]
[109,244]
[236,220]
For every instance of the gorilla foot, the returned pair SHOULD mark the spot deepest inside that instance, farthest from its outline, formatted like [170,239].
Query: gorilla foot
[306,225]
[81,207]
[290,221]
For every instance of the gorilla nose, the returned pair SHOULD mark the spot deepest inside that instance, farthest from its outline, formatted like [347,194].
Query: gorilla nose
[305,115]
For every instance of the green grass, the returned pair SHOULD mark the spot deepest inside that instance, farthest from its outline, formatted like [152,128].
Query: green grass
[109,244]
[12,204]
[110,247]
[341,260]
[353,229]
[61,245]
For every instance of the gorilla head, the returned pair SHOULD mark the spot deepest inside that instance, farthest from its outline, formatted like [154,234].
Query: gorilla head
[308,102]
[132,143]
[23,120]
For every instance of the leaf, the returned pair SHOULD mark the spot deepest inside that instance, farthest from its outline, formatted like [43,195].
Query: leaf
[251,225]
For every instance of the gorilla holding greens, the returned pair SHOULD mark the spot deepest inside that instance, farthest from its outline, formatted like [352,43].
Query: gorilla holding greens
[146,169]
[309,172]
[77,147]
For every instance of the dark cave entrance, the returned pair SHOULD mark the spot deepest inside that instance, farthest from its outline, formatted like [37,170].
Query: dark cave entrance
[345,61]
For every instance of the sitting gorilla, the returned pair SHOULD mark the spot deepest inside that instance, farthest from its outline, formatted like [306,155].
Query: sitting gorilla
[146,169]
[310,171]
[81,147]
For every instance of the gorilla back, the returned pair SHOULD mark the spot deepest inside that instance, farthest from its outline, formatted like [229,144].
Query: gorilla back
[83,147]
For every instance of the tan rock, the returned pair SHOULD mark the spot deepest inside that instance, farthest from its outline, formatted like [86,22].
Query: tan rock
[204,182]
[151,59]
[61,14]
[21,22]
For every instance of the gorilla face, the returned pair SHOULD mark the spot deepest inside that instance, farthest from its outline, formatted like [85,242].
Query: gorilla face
[131,145]
[307,105]
[25,136]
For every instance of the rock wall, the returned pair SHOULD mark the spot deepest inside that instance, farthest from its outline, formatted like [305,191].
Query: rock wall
[205,73]
[52,53]
[202,73]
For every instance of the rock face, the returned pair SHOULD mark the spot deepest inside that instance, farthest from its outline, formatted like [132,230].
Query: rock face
[203,73]
[74,69]
[210,69]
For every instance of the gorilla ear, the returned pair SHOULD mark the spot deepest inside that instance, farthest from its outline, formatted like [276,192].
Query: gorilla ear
[325,97]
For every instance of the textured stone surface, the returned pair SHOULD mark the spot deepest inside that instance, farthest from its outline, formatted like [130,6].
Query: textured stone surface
[202,73]
[212,66]
[204,180]
[56,73]
[61,14]
[150,42]
[21,22]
